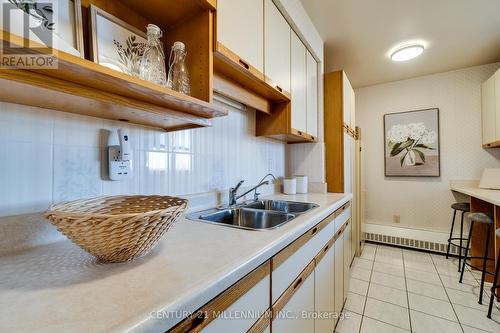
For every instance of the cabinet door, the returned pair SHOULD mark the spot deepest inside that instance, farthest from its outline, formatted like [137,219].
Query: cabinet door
[324,289]
[347,163]
[299,79]
[488,110]
[276,46]
[347,94]
[240,27]
[301,301]
[312,95]
[339,273]
[347,257]
[497,105]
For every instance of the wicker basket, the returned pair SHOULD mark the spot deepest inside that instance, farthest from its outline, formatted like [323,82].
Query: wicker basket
[118,228]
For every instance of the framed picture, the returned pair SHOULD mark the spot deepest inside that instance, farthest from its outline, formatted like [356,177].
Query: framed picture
[412,144]
[63,18]
[115,43]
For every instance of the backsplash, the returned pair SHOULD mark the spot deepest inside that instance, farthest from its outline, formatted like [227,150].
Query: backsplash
[49,156]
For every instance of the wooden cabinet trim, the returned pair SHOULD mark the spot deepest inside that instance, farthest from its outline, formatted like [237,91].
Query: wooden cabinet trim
[284,254]
[494,144]
[290,291]
[261,324]
[204,316]
[341,209]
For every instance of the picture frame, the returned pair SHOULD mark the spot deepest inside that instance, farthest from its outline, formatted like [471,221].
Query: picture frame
[412,144]
[115,43]
[67,27]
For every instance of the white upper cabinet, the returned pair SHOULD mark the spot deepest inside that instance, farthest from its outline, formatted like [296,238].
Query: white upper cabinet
[348,100]
[490,111]
[240,27]
[299,80]
[312,95]
[276,47]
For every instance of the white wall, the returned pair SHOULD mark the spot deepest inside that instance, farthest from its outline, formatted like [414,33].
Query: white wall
[48,156]
[424,203]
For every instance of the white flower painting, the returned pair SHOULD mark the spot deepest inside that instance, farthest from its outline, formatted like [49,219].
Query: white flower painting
[412,143]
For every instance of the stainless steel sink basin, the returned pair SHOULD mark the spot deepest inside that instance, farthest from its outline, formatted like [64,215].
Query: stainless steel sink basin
[244,218]
[282,206]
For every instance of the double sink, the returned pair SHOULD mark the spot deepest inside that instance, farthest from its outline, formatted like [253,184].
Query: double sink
[255,215]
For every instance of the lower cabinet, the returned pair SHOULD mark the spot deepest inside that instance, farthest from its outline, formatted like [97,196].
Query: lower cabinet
[293,312]
[324,289]
[301,289]
[347,256]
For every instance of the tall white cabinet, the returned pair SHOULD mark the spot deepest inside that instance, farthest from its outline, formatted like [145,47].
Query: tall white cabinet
[490,111]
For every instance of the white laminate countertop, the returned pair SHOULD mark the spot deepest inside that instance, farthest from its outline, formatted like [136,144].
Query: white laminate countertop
[472,188]
[60,288]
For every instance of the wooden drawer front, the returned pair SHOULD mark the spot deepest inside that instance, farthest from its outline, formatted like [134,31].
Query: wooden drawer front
[297,298]
[342,215]
[250,294]
[288,263]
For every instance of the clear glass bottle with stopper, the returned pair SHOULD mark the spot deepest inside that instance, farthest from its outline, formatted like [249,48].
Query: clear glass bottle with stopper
[152,65]
[178,76]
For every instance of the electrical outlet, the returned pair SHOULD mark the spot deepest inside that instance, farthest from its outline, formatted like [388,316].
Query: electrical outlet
[396,219]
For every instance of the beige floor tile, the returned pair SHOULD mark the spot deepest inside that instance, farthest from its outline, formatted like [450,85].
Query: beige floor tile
[387,313]
[355,303]
[426,289]
[374,326]
[424,323]
[432,306]
[388,294]
[349,324]
[389,280]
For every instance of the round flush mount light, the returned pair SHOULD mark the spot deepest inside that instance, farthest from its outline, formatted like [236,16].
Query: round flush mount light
[407,52]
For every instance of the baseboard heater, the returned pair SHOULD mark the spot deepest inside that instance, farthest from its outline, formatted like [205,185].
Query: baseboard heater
[409,243]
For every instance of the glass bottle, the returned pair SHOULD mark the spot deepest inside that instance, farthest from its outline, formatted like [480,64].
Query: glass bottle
[152,66]
[178,76]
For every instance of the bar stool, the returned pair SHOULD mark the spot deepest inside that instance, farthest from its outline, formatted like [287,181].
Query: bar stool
[495,281]
[484,219]
[464,207]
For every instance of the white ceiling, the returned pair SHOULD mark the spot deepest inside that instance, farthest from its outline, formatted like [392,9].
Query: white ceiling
[359,34]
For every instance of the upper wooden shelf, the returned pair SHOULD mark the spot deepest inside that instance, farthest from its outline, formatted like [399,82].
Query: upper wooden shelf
[106,93]
[228,66]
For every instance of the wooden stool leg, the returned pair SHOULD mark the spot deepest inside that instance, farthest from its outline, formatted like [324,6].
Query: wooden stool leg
[484,264]
[493,288]
[451,233]
[466,250]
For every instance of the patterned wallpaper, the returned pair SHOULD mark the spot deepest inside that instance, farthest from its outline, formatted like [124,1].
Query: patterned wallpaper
[424,203]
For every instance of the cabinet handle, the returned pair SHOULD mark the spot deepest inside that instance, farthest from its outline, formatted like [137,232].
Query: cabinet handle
[279,89]
[244,64]
[314,230]
[326,248]
[297,284]
[197,322]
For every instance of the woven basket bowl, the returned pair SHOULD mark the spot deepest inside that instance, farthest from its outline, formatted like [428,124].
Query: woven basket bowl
[117,228]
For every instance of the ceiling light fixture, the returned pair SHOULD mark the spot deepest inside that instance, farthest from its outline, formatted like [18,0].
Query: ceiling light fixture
[407,52]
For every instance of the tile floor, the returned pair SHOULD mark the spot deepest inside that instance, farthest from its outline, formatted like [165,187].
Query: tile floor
[399,290]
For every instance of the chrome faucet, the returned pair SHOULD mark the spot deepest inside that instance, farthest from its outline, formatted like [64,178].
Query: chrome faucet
[233,198]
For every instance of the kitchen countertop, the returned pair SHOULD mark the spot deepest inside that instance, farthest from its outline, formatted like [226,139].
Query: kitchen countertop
[60,288]
[472,188]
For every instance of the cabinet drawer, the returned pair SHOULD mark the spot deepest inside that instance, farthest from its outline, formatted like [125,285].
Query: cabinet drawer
[288,263]
[342,215]
[249,295]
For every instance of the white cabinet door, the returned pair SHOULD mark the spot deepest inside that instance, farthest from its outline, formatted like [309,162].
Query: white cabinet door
[299,79]
[347,163]
[347,257]
[276,46]
[339,274]
[488,110]
[312,95]
[301,301]
[324,289]
[347,92]
[240,27]
[256,300]
[497,105]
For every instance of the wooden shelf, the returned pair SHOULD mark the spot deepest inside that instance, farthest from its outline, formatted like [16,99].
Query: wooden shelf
[277,125]
[234,69]
[104,93]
